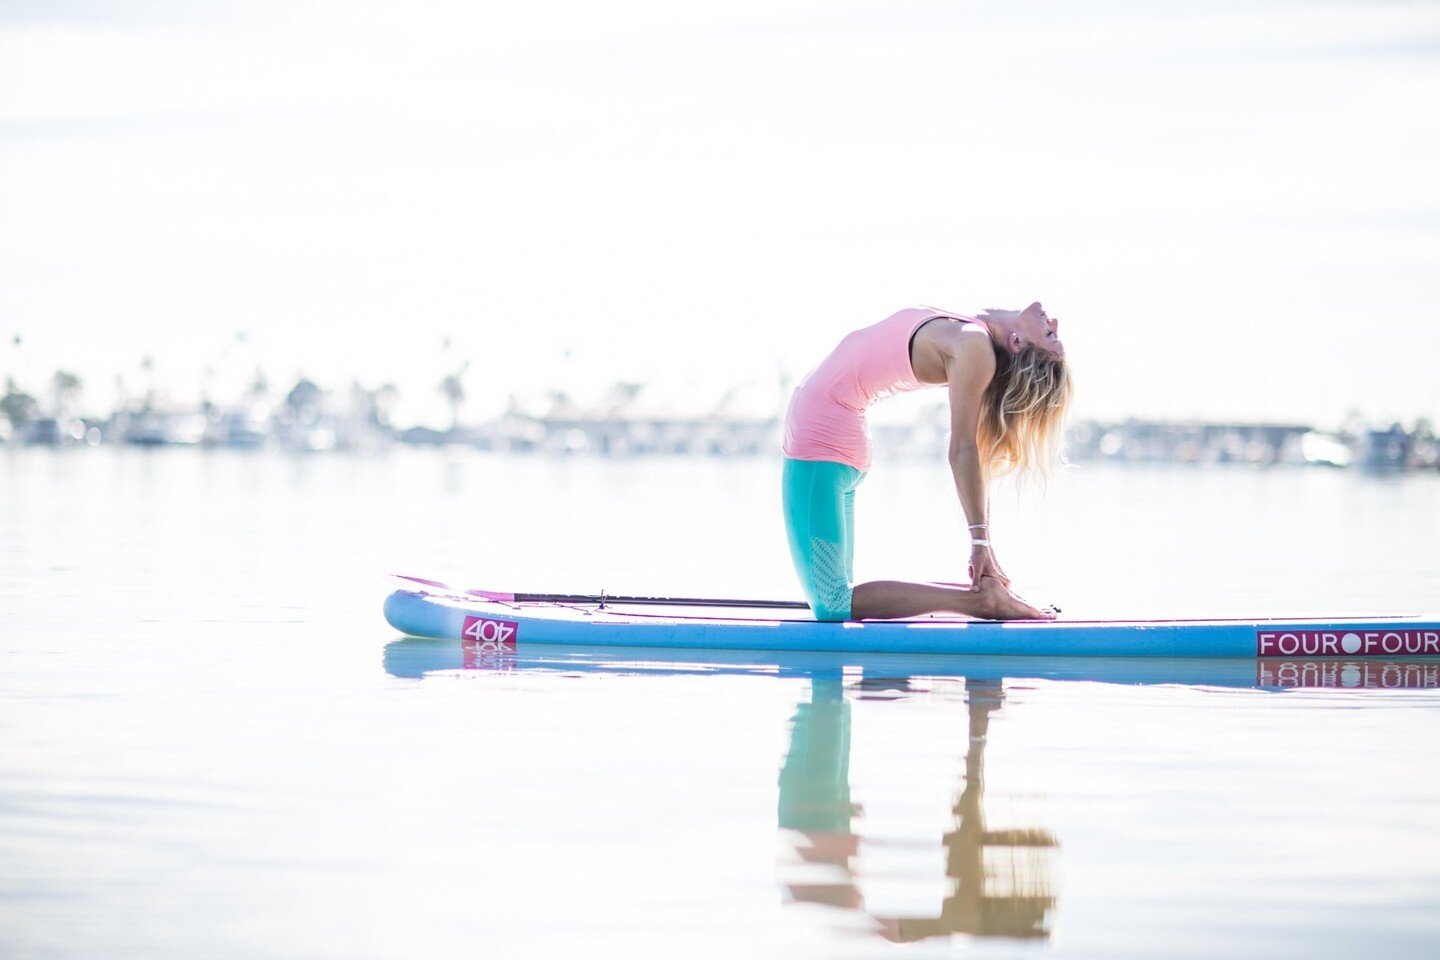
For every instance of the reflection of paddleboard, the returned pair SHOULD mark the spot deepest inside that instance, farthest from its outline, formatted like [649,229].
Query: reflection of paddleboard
[488,620]
[415,657]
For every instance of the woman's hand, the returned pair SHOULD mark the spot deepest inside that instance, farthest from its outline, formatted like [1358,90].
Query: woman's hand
[984,564]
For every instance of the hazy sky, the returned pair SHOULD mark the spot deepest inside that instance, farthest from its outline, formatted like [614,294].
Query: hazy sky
[1232,207]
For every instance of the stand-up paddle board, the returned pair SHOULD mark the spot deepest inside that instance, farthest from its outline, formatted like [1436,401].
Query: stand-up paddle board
[492,620]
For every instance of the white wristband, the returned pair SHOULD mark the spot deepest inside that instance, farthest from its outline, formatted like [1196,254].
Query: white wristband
[980,543]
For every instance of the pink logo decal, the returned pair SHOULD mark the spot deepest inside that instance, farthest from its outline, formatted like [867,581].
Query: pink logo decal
[1340,643]
[485,635]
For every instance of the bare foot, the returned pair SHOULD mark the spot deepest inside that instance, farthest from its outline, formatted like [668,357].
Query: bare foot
[997,603]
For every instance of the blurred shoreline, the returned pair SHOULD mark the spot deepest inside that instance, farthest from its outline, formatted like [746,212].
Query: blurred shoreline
[625,422]
[304,427]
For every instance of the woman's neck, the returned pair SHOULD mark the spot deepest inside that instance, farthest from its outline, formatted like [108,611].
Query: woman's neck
[1000,324]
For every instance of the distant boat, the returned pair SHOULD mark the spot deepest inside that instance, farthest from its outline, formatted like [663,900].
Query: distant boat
[1385,449]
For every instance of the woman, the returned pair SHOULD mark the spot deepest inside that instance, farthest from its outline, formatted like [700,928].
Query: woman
[1009,388]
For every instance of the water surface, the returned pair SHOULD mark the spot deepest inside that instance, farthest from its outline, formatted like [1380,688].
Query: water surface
[211,744]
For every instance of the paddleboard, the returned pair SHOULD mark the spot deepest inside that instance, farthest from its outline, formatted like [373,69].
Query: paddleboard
[488,621]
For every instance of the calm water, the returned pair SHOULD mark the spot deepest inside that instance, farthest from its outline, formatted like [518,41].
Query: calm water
[212,745]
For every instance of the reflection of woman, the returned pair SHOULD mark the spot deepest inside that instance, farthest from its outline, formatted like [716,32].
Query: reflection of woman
[984,898]
[815,781]
[815,789]
[1009,387]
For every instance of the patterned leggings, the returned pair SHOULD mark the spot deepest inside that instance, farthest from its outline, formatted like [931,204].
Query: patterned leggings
[819,499]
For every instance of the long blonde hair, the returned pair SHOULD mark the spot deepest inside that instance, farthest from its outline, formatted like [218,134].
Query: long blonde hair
[1022,414]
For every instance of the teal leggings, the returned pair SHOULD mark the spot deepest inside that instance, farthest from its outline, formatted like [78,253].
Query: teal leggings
[819,498]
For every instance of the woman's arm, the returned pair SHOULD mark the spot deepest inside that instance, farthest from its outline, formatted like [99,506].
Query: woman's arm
[969,368]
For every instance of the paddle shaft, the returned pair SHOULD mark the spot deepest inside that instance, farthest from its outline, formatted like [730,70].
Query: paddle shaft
[599,598]
[604,598]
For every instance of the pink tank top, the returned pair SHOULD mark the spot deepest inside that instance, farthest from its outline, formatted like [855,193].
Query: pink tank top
[826,417]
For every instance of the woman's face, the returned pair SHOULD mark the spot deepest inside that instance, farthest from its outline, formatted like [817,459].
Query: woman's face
[1034,327]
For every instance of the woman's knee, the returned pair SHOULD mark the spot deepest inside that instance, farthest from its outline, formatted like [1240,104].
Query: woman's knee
[833,605]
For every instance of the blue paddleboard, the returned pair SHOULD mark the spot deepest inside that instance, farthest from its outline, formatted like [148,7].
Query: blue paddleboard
[498,625]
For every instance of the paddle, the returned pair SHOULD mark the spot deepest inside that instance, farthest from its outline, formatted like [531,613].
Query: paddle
[598,598]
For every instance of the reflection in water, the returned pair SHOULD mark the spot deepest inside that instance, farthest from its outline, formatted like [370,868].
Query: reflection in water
[416,657]
[815,790]
[1348,674]
[999,880]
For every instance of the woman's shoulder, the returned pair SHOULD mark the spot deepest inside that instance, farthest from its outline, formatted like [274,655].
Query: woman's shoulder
[970,342]
[962,333]
[944,349]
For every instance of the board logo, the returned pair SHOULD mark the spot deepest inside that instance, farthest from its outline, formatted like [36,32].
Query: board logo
[1339,643]
[486,635]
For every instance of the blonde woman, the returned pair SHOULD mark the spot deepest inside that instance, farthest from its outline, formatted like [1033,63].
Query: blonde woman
[1009,387]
